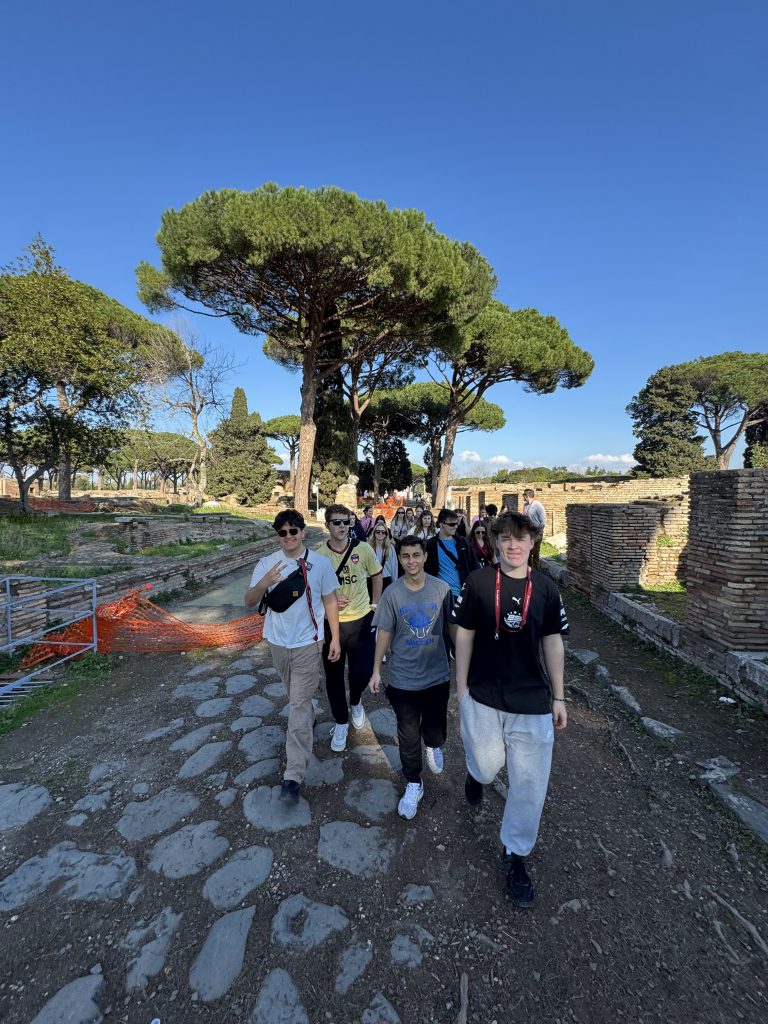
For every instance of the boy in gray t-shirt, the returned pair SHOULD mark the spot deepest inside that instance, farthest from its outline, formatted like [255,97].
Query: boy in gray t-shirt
[411,618]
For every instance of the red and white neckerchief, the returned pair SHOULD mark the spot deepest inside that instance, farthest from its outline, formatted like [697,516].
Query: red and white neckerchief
[308,590]
[526,602]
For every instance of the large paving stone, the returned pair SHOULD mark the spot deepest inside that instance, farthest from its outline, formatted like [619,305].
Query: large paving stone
[93,802]
[246,723]
[203,759]
[360,851]
[660,730]
[213,708]
[149,946]
[243,873]
[151,817]
[226,798]
[381,1011]
[405,952]
[257,771]
[386,756]
[269,674]
[416,894]
[86,876]
[275,690]
[241,665]
[165,730]
[264,808]
[240,683]
[301,923]
[324,773]
[278,1001]
[257,705]
[354,960]
[197,691]
[753,814]
[262,743]
[374,798]
[220,961]
[188,851]
[104,770]
[20,804]
[75,1003]
[196,738]
[204,669]
[383,722]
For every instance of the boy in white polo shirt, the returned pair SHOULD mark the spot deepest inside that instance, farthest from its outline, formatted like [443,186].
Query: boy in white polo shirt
[301,587]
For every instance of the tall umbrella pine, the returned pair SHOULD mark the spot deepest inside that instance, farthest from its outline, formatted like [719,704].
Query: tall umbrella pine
[500,345]
[297,266]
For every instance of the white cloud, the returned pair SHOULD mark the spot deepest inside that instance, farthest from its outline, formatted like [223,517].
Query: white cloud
[470,457]
[620,462]
[504,460]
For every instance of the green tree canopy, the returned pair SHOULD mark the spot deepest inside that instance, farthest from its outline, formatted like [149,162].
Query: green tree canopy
[720,394]
[72,359]
[500,345]
[305,267]
[666,425]
[756,435]
[241,461]
[286,430]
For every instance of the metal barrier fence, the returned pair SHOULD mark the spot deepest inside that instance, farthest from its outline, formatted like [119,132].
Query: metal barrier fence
[28,613]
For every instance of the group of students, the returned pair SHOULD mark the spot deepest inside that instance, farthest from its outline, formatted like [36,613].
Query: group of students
[502,620]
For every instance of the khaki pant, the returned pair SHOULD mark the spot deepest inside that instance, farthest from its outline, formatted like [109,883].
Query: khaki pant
[300,670]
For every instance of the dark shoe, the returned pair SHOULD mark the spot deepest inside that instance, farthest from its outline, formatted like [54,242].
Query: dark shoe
[519,886]
[290,791]
[473,791]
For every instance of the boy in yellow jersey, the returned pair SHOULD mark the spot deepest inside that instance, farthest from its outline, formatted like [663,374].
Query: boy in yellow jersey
[353,562]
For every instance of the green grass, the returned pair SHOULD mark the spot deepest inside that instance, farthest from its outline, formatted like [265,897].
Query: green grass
[70,572]
[193,548]
[88,669]
[549,550]
[23,537]
[670,598]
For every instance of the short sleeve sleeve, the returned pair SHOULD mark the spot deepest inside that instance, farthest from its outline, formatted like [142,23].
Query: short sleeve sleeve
[259,571]
[385,616]
[463,613]
[372,564]
[329,581]
[555,619]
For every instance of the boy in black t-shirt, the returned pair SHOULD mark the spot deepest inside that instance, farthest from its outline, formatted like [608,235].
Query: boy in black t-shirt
[507,616]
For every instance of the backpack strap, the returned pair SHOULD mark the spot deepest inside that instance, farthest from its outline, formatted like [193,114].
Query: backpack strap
[352,544]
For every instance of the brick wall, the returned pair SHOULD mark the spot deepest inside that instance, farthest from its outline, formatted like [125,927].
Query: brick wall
[143,533]
[728,558]
[558,498]
[617,547]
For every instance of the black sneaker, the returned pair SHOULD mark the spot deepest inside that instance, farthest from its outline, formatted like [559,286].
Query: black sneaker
[473,791]
[519,886]
[290,791]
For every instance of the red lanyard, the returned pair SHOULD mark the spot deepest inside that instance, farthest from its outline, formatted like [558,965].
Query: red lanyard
[526,601]
[308,591]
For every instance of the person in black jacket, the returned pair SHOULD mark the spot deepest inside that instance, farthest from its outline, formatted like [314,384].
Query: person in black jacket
[449,557]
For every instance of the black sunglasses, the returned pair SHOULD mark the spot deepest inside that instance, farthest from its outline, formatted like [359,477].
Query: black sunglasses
[291,531]
[340,522]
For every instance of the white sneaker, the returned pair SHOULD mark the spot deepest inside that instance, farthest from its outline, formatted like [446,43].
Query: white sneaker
[435,760]
[357,714]
[409,802]
[339,738]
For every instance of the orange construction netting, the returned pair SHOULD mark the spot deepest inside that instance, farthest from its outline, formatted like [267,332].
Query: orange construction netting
[133,624]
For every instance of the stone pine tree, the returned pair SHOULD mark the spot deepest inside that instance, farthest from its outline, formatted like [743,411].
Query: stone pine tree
[663,420]
[241,461]
[723,395]
[501,345]
[296,266]
[72,360]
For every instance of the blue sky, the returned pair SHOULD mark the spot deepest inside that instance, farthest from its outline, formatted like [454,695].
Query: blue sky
[609,159]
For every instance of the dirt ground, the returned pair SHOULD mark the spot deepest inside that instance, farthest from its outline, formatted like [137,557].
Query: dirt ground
[646,886]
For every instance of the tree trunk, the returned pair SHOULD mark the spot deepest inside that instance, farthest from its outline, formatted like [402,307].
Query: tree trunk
[445,465]
[292,468]
[436,449]
[135,474]
[307,434]
[65,477]
[376,471]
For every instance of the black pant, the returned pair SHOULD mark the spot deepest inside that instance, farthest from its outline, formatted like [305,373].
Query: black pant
[421,714]
[358,645]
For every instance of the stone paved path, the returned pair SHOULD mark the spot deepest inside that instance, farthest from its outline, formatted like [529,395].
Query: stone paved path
[149,870]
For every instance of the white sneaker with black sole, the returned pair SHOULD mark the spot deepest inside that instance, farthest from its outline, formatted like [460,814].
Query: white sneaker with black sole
[357,715]
[409,802]
[339,738]
[434,760]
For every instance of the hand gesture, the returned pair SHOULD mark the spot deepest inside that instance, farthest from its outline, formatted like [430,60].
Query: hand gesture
[343,601]
[274,575]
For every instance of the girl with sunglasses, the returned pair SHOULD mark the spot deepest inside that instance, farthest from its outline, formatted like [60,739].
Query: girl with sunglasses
[384,549]
[481,542]
[399,526]
[424,526]
[410,519]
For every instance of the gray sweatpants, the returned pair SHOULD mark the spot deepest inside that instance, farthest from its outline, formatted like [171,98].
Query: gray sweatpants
[300,669]
[490,738]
